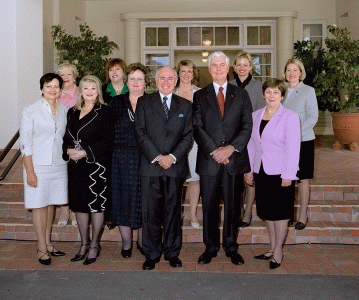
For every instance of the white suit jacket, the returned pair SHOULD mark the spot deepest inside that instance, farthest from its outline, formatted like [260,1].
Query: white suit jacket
[39,133]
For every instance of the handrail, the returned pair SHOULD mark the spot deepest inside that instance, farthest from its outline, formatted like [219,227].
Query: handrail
[5,152]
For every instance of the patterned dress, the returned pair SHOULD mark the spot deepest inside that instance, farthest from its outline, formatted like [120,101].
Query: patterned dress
[126,195]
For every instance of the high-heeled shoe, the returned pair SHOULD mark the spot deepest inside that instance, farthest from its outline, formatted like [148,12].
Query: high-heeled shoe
[140,249]
[89,261]
[78,256]
[57,253]
[45,262]
[273,264]
[73,219]
[242,224]
[264,256]
[300,225]
[126,253]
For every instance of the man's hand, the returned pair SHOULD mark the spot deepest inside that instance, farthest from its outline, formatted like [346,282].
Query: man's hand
[222,154]
[165,161]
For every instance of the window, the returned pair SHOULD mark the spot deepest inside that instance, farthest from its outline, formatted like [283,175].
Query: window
[314,31]
[262,66]
[155,61]
[259,35]
[157,37]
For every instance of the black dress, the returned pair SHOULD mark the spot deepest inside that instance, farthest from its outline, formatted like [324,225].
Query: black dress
[126,195]
[89,177]
[274,202]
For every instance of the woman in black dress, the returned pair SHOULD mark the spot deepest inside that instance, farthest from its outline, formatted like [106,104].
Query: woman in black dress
[88,146]
[274,157]
[126,197]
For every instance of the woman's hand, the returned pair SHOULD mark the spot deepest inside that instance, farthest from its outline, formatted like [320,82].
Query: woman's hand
[286,182]
[249,178]
[32,179]
[76,154]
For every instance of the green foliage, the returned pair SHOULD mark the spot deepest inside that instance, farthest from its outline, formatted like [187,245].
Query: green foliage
[312,57]
[88,52]
[337,84]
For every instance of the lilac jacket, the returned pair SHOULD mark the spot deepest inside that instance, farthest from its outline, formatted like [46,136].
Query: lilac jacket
[279,146]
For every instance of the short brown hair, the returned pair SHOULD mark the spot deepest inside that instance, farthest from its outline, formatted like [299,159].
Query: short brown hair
[92,79]
[188,63]
[275,83]
[114,62]
[299,64]
[134,67]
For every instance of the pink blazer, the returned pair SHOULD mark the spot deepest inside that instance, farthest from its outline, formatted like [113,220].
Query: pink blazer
[279,146]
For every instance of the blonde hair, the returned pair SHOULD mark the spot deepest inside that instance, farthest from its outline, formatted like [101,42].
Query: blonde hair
[89,79]
[299,64]
[68,66]
[188,63]
[244,55]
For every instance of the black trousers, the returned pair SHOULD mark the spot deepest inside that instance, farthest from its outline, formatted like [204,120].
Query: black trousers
[161,205]
[213,189]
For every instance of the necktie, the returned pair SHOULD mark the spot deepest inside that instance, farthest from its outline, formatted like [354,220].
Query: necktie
[165,107]
[220,98]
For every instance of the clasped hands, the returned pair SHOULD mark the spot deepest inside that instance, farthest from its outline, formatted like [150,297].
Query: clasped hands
[165,161]
[76,154]
[249,178]
[222,154]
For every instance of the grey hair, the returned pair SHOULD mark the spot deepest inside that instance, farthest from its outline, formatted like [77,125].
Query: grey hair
[156,76]
[217,54]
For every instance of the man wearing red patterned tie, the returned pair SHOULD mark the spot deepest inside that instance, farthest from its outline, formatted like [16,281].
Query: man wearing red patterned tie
[222,125]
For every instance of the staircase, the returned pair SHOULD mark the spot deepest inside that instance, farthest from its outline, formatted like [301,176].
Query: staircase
[333,218]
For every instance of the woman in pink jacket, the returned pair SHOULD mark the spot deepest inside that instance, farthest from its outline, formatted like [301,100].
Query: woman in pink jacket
[274,157]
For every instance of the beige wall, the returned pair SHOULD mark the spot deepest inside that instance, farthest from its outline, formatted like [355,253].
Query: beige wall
[104,16]
[48,21]
[351,8]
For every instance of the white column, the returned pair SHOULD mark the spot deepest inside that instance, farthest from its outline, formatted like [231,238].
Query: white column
[285,42]
[132,41]
[21,61]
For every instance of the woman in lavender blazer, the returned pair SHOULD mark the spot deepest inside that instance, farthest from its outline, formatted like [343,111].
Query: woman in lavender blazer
[274,157]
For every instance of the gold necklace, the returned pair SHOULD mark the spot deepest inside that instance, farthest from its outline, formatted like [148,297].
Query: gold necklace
[189,90]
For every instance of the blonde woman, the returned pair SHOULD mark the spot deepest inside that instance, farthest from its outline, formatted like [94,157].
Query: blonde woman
[68,95]
[88,148]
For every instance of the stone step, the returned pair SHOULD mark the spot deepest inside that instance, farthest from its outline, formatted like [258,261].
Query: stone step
[315,232]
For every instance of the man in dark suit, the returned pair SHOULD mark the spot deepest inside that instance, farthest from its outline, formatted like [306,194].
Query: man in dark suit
[163,125]
[222,125]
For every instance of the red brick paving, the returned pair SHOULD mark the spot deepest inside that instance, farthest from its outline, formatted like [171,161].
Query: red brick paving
[314,259]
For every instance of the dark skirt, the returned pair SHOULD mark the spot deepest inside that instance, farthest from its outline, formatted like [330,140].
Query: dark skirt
[274,202]
[126,207]
[306,160]
[88,186]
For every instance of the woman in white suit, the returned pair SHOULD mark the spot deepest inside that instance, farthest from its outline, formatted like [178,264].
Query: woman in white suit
[274,156]
[301,98]
[42,128]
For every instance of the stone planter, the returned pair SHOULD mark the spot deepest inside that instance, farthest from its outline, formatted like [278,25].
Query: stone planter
[346,130]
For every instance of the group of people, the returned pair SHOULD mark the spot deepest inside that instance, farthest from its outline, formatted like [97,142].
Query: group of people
[118,155]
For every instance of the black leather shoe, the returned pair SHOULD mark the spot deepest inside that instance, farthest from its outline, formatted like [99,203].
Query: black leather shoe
[206,258]
[300,226]
[57,253]
[79,257]
[149,264]
[175,262]
[126,253]
[45,262]
[273,264]
[89,261]
[242,224]
[236,258]
[264,256]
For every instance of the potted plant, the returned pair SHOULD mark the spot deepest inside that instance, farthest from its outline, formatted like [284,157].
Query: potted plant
[88,52]
[337,86]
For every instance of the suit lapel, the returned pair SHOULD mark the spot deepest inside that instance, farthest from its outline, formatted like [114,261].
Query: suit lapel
[157,104]
[229,99]
[174,106]
[273,122]
[212,99]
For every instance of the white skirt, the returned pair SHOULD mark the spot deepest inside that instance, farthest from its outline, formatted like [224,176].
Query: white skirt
[51,187]
[192,159]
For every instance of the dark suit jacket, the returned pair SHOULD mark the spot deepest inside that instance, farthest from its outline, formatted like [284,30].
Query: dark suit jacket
[211,131]
[156,135]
